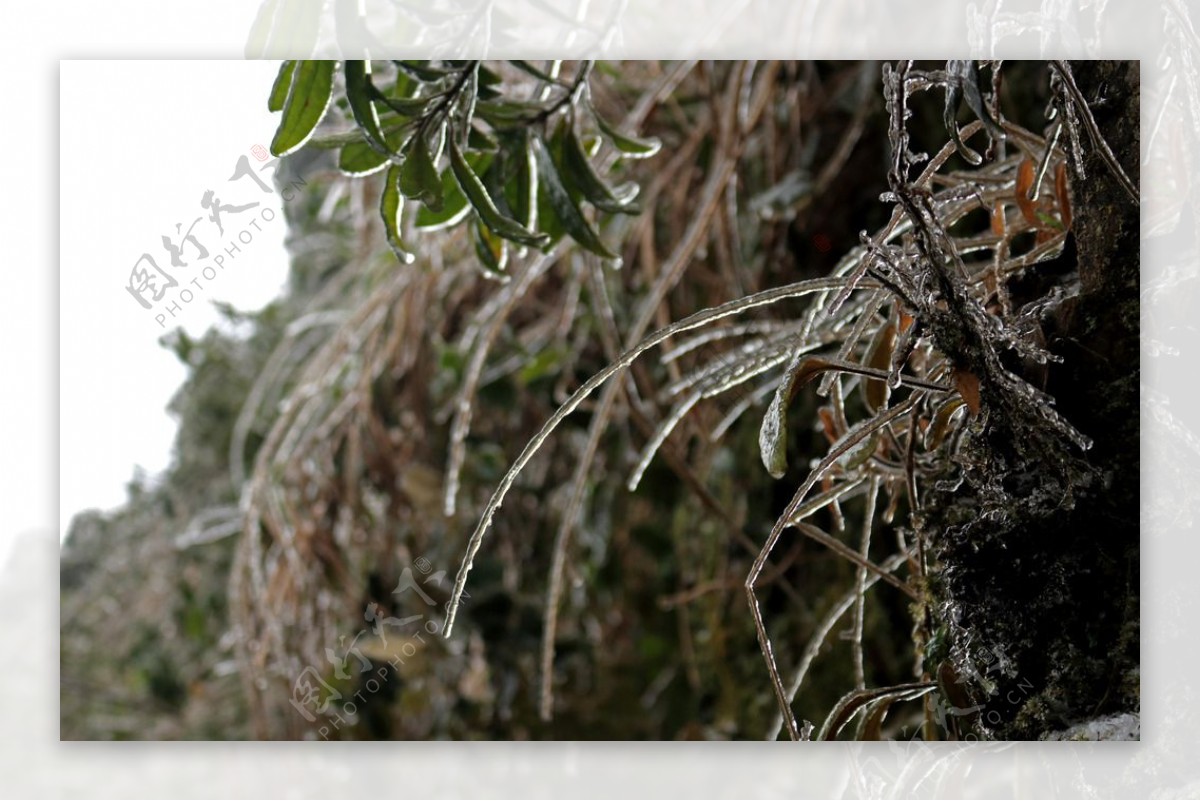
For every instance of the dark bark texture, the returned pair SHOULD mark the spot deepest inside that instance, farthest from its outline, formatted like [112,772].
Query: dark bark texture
[1036,586]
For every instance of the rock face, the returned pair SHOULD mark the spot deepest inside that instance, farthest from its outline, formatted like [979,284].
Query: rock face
[1038,550]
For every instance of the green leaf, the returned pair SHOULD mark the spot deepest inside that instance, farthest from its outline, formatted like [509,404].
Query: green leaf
[454,205]
[491,250]
[360,158]
[859,454]
[547,220]
[307,100]
[508,113]
[565,208]
[360,95]
[283,82]
[423,71]
[404,106]
[488,79]
[630,146]
[525,66]
[389,208]
[404,87]
[488,76]
[419,179]
[520,179]
[484,205]
[1048,220]
[493,183]
[481,140]
[573,162]
[773,432]
[772,435]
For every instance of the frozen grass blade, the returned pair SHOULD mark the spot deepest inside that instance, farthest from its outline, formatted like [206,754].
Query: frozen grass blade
[852,438]
[821,634]
[694,321]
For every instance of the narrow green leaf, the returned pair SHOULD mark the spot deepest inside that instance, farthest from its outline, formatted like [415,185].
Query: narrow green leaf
[493,180]
[484,205]
[478,139]
[520,179]
[419,179]
[547,220]
[454,202]
[454,206]
[360,96]
[283,82]
[404,106]
[307,101]
[360,158]
[773,432]
[488,76]
[565,208]
[491,250]
[508,113]
[404,87]
[423,71]
[630,146]
[389,208]
[525,66]
[772,436]
[1048,221]
[573,163]
[859,454]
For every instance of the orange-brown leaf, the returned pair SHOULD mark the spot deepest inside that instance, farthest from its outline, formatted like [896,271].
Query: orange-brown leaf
[1025,175]
[875,391]
[967,384]
[1063,191]
[998,226]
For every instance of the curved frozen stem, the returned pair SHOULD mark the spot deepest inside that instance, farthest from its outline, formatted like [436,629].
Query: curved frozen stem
[852,438]
[860,582]
[830,620]
[463,407]
[696,320]
[1093,131]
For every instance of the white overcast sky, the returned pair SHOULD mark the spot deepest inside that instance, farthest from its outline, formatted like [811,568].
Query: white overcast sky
[141,142]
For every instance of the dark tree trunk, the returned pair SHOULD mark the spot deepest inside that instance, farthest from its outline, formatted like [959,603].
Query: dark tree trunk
[1041,600]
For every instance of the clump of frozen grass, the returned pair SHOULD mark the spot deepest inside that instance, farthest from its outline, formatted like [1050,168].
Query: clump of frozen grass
[913,290]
